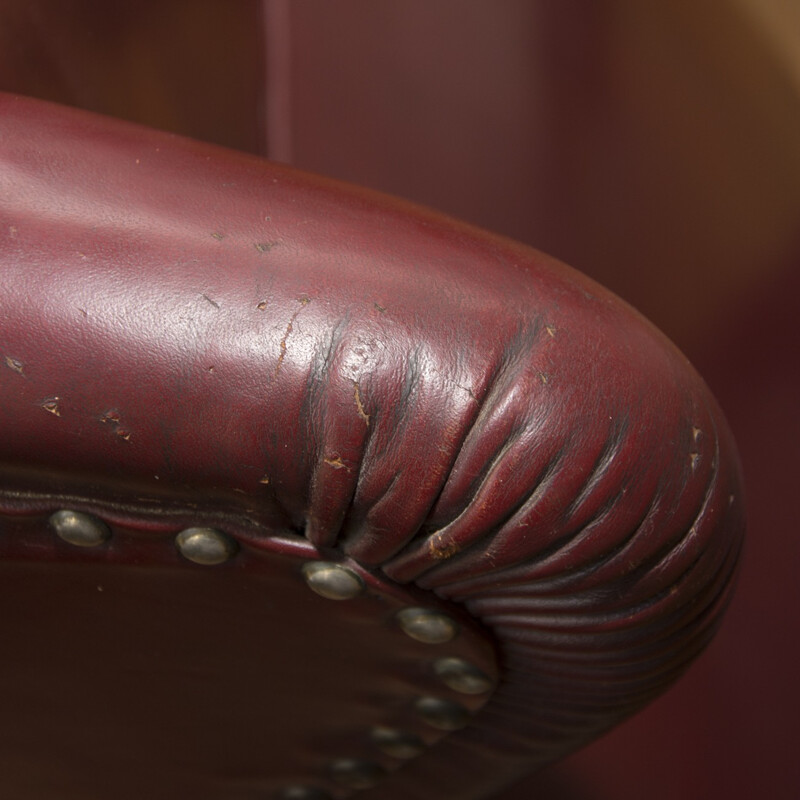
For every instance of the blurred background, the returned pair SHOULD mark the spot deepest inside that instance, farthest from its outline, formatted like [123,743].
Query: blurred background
[653,145]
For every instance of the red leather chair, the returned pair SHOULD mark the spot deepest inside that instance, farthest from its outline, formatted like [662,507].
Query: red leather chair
[306,490]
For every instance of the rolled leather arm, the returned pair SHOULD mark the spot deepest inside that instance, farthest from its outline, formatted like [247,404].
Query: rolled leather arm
[442,405]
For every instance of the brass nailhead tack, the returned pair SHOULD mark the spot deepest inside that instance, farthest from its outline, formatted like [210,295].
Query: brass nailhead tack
[425,625]
[82,530]
[396,743]
[332,581]
[303,793]
[461,676]
[442,714]
[209,546]
[206,546]
[354,773]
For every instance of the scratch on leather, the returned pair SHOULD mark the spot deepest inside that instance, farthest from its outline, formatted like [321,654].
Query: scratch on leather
[304,301]
[359,405]
[457,385]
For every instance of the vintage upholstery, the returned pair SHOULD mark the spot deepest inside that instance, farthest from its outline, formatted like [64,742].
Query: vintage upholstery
[309,372]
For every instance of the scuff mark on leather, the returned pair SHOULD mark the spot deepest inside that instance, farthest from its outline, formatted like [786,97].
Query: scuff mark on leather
[51,405]
[441,550]
[304,301]
[336,462]
[15,365]
[113,419]
[359,405]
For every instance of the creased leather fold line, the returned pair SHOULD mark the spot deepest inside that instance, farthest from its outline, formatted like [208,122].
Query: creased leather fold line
[438,403]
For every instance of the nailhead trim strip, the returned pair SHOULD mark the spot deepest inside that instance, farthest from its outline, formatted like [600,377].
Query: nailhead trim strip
[332,581]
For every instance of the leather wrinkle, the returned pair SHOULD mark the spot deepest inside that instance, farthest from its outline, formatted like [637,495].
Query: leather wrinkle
[515,575]
[549,471]
[401,416]
[581,654]
[501,372]
[712,486]
[617,550]
[518,582]
[410,396]
[313,412]
[477,538]
[612,445]
[621,589]
[498,381]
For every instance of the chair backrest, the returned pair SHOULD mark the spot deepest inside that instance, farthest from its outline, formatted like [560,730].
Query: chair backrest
[299,481]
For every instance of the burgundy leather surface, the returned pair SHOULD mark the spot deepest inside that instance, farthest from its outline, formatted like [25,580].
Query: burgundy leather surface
[441,405]
[134,672]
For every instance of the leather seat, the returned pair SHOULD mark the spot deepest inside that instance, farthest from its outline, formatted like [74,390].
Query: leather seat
[306,490]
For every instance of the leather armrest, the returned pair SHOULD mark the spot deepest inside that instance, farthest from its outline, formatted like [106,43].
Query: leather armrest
[443,406]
